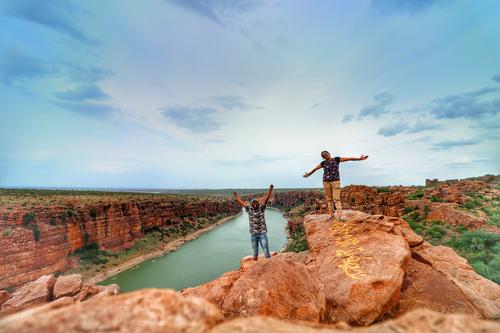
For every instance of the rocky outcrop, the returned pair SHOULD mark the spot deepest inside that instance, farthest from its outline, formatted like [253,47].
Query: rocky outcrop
[425,287]
[37,241]
[367,268]
[482,293]
[361,264]
[31,294]
[48,289]
[421,321]
[147,310]
[288,200]
[67,285]
[279,287]
[163,310]
[367,273]
[370,200]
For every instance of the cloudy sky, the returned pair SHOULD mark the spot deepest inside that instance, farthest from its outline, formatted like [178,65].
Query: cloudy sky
[244,93]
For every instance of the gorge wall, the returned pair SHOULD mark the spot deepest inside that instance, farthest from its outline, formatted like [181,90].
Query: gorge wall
[36,238]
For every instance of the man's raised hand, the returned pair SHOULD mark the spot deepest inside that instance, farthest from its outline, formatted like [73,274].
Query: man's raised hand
[363,157]
[271,186]
[306,174]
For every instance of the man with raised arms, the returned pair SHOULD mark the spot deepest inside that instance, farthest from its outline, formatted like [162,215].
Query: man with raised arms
[257,223]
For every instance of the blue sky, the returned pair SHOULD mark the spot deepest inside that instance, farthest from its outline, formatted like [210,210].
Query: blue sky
[244,93]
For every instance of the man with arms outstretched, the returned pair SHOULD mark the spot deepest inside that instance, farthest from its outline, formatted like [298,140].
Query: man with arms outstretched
[331,179]
[257,223]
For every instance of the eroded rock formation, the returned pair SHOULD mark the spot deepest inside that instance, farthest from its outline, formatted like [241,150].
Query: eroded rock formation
[37,241]
[49,289]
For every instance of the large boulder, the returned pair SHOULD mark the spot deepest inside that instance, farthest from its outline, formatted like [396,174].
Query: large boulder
[360,263]
[425,287]
[414,322]
[30,294]
[147,310]
[67,285]
[277,287]
[482,293]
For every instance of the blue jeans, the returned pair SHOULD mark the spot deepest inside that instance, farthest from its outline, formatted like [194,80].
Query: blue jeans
[262,239]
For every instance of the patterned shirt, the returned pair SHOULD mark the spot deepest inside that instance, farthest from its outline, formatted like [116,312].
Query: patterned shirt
[256,219]
[331,169]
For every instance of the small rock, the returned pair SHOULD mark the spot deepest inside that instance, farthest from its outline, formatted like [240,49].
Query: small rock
[67,285]
[33,293]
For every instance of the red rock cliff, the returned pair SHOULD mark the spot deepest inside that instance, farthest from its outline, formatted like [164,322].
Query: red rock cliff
[37,240]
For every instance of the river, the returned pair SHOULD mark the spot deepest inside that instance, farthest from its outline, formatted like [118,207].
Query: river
[203,259]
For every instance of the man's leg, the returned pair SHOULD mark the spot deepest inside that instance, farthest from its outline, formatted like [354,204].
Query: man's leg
[255,245]
[265,244]
[327,187]
[336,197]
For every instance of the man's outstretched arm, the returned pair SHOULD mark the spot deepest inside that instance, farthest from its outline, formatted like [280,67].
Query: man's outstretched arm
[316,168]
[345,159]
[240,201]
[268,195]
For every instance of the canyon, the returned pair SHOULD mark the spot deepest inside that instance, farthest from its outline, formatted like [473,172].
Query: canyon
[368,270]
[38,235]
[372,269]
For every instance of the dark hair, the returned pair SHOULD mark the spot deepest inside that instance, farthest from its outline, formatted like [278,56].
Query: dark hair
[323,152]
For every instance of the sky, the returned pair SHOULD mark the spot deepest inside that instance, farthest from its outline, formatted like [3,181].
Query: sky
[245,93]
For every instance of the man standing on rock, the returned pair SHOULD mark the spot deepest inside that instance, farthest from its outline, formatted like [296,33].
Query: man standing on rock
[257,223]
[331,179]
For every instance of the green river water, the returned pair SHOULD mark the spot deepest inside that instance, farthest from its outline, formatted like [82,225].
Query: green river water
[203,259]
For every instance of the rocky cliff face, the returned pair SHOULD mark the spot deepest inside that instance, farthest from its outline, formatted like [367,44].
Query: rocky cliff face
[37,240]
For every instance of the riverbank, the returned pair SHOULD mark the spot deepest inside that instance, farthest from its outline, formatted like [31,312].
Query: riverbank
[164,248]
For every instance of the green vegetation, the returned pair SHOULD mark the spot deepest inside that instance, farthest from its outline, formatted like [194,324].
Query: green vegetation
[297,241]
[418,194]
[93,213]
[6,233]
[383,189]
[92,255]
[53,221]
[28,218]
[436,199]
[480,248]
[493,212]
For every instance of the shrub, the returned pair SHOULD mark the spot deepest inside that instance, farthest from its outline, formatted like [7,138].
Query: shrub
[408,210]
[482,249]
[70,212]
[93,213]
[427,210]
[36,232]
[472,204]
[53,221]
[436,199]
[6,233]
[436,231]
[418,194]
[298,241]
[384,189]
[64,218]
[91,254]
[29,218]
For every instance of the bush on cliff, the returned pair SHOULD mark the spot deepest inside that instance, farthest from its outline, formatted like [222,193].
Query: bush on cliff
[29,218]
[418,194]
[92,255]
[297,241]
[482,249]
